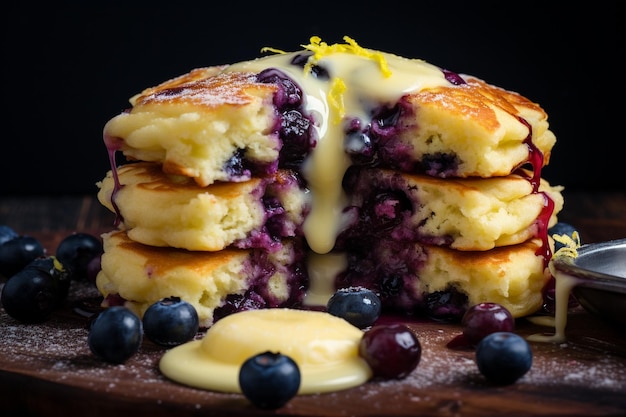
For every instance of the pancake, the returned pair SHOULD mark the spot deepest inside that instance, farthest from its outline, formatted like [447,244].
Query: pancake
[172,210]
[464,214]
[473,129]
[215,283]
[441,283]
[231,122]
[199,125]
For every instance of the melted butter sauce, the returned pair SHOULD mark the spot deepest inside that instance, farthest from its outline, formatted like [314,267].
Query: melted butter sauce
[563,287]
[325,348]
[365,86]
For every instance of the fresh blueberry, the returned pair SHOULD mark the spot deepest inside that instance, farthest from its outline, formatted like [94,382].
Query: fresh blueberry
[18,252]
[269,380]
[561,228]
[76,251]
[35,292]
[392,351]
[503,357]
[485,318]
[115,335]
[170,322]
[7,233]
[359,306]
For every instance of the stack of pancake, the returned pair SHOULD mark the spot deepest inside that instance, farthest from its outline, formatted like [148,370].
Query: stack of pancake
[275,181]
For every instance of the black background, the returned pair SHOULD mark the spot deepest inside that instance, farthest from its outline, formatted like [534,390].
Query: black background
[68,69]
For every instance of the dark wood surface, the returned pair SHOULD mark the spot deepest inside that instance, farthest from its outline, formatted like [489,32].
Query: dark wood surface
[47,369]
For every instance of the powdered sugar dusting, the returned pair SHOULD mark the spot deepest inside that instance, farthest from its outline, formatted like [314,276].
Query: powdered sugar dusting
[447,380]
[222,89]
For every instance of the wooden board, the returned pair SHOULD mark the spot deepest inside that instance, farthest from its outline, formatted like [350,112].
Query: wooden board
[48,370]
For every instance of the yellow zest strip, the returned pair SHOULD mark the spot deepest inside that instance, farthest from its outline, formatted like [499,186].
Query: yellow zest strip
[571,244]
[335,98]
[270,49]
[57,264]
[321,49]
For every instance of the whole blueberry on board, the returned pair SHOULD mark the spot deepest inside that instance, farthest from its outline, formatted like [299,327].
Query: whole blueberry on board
[392,351]
[18,252]
[170,322]
[503,357]
[76,251]
[35,292]
[7,233]
[485,318]
[115,334]
[269,379]
[359,306]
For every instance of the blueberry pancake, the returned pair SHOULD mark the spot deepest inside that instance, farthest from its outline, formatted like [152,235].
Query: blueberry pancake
[466,214]
[215,283]
[421,183]
[229,122]
[172,210]
[442,283]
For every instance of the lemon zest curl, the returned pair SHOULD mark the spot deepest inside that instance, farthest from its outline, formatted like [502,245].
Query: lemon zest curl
[570,245]
[321,49]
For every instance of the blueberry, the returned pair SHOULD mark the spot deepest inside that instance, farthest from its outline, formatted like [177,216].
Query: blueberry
[170,322]
[269,379]
[35,292]
[392,351]
[115,335]
[7,233]
[485,318]
[318,71]
[359,145]
[359,306]
[446,306]
[18,252]
[561,228]
[76,251]
[503,357]
[453,77]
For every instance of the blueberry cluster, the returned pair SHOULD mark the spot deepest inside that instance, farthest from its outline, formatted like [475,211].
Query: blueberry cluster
[393,351]
[37,284]
[116,333]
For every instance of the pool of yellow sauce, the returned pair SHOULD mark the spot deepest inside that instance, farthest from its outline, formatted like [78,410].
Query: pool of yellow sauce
[325,348]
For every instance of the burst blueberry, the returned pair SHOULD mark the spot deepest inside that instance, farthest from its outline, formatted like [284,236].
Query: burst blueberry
[269,380]
[170,322]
